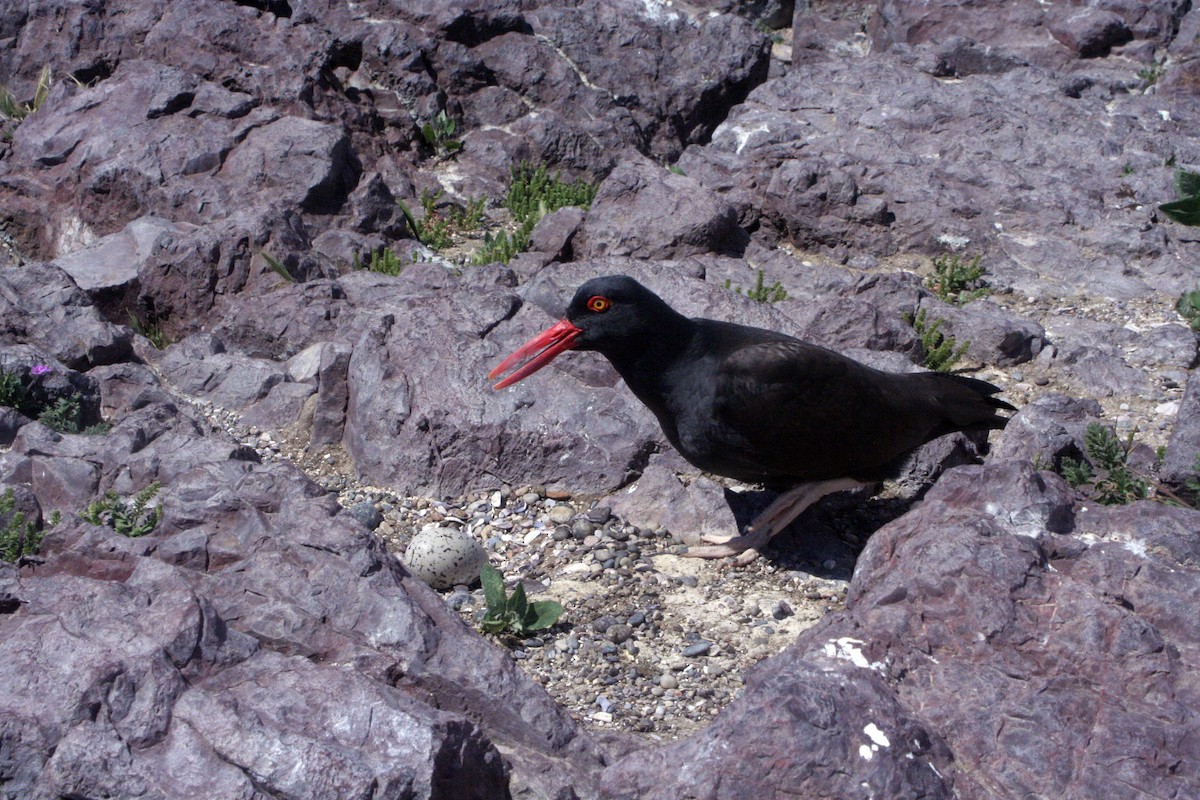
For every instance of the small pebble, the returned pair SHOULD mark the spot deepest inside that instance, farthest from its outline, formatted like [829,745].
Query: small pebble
[668,681]
[619,633]
[598,515]
[561,514]
[697,649]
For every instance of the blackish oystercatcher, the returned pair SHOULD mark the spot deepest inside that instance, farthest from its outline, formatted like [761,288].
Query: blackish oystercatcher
[759,406]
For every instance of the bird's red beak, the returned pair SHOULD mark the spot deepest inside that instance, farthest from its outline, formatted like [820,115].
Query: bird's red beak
[540,351]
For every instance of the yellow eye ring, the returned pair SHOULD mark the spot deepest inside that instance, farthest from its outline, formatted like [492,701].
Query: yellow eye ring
[599,304]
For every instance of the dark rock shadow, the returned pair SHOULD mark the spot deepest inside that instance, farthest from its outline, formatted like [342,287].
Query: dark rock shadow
[826,539]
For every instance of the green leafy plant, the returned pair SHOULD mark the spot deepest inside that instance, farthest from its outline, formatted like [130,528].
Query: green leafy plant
[439,132]
[17,536]
[760,293]
[1188,306]
[513,613]
[133,518]
[1105,476]
[957,281]
[63,416]
[942,352]
[1186,209]
[12,390]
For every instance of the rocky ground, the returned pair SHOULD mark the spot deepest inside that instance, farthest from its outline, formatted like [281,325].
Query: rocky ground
[183,221]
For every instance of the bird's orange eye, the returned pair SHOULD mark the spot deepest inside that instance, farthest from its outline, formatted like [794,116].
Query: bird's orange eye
[598,303]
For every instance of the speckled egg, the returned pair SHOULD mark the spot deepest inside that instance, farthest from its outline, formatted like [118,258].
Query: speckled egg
[444,557]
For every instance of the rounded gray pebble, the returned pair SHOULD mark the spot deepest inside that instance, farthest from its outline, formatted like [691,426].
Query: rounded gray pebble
[366,513]
[619,633]
[561,514]
[697,648]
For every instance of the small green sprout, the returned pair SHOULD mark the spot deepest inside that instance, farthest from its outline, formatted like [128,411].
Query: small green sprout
[513,613]
[760,293]
[942,352]
[439,132]
[1105,475]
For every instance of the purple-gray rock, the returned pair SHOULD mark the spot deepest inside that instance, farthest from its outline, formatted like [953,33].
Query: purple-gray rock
[1181,465]
[645,211]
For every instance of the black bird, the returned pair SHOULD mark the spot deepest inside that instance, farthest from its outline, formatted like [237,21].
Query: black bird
[759,406]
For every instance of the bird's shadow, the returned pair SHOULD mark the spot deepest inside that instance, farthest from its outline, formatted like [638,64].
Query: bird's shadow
[826,539]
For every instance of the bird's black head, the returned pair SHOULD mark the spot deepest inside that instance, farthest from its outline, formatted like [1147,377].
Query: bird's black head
[614,315]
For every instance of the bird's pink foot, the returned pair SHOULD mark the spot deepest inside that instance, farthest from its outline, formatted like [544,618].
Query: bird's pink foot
[744,548]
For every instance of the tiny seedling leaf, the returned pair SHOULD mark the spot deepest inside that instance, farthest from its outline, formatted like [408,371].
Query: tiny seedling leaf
[493,588]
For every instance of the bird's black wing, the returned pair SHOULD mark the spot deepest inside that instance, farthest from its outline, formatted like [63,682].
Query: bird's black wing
[789,410]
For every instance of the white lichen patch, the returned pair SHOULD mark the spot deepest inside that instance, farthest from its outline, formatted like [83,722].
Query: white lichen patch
[848,649]
[877,736]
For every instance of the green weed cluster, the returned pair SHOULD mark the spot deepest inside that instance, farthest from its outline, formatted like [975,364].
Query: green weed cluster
[14,110]
[135,517]
[436,230]
[513,613]
[17,536]
[532,194]
[942,352]
[957,281]
[1104,475]
[760,293]
[152,329]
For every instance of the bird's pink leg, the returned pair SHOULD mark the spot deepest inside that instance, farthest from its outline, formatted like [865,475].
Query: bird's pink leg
[772,521]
